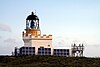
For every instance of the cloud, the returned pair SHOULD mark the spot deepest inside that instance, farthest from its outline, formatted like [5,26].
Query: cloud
[7,45]
[92,50]
[4,27]
[60,41]
[10,40]
[0,37]
[13,42]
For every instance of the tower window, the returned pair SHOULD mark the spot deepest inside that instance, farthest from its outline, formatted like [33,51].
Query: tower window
[48,45]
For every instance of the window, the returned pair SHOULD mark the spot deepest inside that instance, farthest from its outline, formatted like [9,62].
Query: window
[64,53]
[26,47]
[42,49]
[49,49]
[64,50]
[61,50]
[30,48]
[67,50]
[67,53]
[46,49]
[49,52]
[48,45]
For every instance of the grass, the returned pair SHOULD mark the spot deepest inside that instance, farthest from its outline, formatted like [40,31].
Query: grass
[48,61]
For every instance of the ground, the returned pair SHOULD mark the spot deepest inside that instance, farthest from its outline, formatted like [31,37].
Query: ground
[48,61]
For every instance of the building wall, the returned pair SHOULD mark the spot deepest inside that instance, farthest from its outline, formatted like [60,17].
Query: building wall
[38,41]
[41,43]
[27,43]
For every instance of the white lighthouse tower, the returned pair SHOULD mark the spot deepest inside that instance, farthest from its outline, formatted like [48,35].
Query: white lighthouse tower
[32,35]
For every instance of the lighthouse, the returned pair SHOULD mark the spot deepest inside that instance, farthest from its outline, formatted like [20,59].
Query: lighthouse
[36,43]
[33,38]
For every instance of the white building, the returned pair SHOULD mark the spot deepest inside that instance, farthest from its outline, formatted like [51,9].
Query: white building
[37,44]
[32,35]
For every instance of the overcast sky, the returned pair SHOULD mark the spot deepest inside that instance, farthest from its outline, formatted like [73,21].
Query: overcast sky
[69,21]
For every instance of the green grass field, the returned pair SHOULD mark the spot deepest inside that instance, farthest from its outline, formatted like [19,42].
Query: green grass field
[48,61]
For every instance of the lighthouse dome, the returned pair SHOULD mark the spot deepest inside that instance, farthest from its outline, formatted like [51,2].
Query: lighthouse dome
[32,17]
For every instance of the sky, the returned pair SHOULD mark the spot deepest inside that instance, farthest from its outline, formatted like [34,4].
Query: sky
[69,21]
